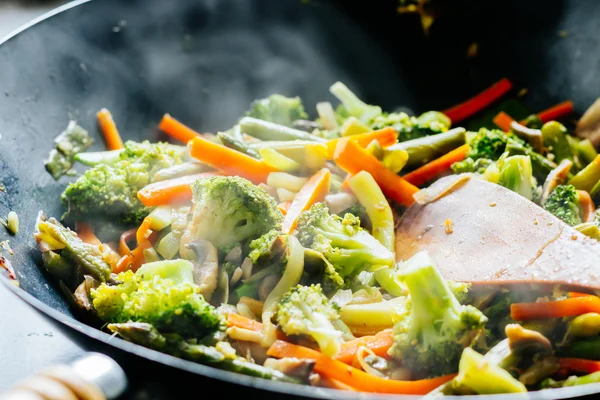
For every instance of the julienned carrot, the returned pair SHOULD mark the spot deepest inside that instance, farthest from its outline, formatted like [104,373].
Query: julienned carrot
[353,158]
[354,377]
[434,168]
[586,204]
[230,161]
[555,309]
[109,130]
[176,129]
[386,137]
[557,112]
[86,233]
[477,103]
[335,384]
[579,365]
[503,121]
[379,344]
[240,321]
[346,185]
[579,294]
[135,258]
[284,207]
[171,191]
[312,192]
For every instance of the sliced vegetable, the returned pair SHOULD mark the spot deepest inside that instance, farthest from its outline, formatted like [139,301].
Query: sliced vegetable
[423,150]
[168,247]
[265,130]
[435,168]
[395,159]
[312,192]
[464,110]
[183,169]
[554,309]
[586,206]
[86,233]
[278,161]
[327,115]
[285,195]
[176,129]
[579,365]
[352,126]
[239,321]
[99,157]
[555,140]
[161,218]
[172,191]
[109,130]
[503,121]
[379,344]
[286,181]
[588,177]
[352,158]
[386,137]
[556,112]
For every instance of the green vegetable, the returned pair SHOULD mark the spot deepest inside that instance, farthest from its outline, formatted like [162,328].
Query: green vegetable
[269,249]
[589,229]
[12,222]
[278,109]
[161,218]
[516,174]
[183,169]
[162,294]
[348,248]
[231,210]
[379,315]
[478,376]
[555,140]
[549,383]
[584,149]
[563,203]
[168,247]
[305,311]
[478,166]
[541,165]
[99,157]
[74,139]
[430,340]
[265,130]
[110,191]
[233,142]
[588,177]
[278,161]
[421,151]
[352,105]
[588,348]
[585,325]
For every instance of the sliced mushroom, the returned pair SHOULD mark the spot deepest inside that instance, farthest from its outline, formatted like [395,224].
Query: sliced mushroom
[588,126]
[531,136]
[266,286]
[521,340]
[540,370]
[206,266]
[235,255]
[82,293]
[556,177]
[301,368]
[340,201]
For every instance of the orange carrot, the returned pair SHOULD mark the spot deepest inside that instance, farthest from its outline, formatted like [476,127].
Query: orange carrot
[345,185]
[434,168]
[386,137]
[477,103]
[171,191]
[109,130]
[555,309]
[240,321]
[579,365]
[588,209]
[335,384]
[312,192]
[86,233]
[379,344]
[135,258]
[284,207]
[354,377]
[352,158]
[503,121]
[556,112]
[230,161]
[176,129]
[579,294]
[125,238]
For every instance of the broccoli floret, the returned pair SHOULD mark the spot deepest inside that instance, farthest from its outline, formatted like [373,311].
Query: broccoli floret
[231,210]
[278,109]
[430,340]
[488,143]
[109,191]
[269,249]
[516,174]
[346,246]
[408,128]
[469,165]
[305,310]
[563,203]
[351,105]
[161,293]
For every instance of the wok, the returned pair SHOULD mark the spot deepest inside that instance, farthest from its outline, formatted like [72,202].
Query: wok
[203,61]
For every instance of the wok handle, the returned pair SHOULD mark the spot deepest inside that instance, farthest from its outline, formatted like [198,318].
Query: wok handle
[94,376]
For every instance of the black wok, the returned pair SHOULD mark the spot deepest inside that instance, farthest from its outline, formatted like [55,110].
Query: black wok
[204,61]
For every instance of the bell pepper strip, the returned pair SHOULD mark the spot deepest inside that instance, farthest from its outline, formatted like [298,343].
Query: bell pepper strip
[586,205]
[470,107]
[284,207]
[176,129]
[230,161]
[171,191]
[579,365]
[109,130]
[503,121]
[354,377]
[555,309]
[86,233]
[312,192]
[386,137]
[435,168]
[379,344]
[352,158]
[556,112]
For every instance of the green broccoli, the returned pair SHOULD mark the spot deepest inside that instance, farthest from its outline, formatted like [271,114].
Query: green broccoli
[305,310]
[563,203]
[109,191]
[430,340]
[489,144]
[161,293]
[278,109]
[351,105]
[231,210]
[408,128]
[573,380]
[516,174]
[477,166]
[347,248]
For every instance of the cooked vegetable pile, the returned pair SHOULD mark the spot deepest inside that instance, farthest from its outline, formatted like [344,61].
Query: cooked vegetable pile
[269,248]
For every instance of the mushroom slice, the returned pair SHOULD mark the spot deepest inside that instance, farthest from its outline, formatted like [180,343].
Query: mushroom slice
[588,126]
[206,266]
[301,368]
[556,177]
[521,340]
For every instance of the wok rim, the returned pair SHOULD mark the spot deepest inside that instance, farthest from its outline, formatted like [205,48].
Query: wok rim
[227,376]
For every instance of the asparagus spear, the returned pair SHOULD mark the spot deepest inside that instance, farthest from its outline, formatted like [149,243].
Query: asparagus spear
[231,141]
[265,130]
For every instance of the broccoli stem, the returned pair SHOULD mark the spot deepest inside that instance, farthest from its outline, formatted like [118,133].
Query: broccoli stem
[516,174]
[422,150]
[555,140]
[541,165]
[265,130]
[587,178]
[378,209]
[233,143]
[355,106]
[594,377]
[585,348]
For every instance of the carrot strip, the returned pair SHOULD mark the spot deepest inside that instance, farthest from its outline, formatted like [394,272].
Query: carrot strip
[86,233]
[335,384]
[579,365]
[360,380]
[588,209]
[503,121]
[135,258]
[312,192]
[579,294]
[176,129]
[240,321]
[379,344]
[125,238]
[386,137]
[555,309]
[346,185]
[480,101]
[109,130]
[284,207]
[230,161]
[352,158]
[436,167]
[171,191]
[556,112]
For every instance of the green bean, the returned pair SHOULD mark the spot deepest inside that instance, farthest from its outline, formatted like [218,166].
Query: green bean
[422,150]
[555,140]
[265,130]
